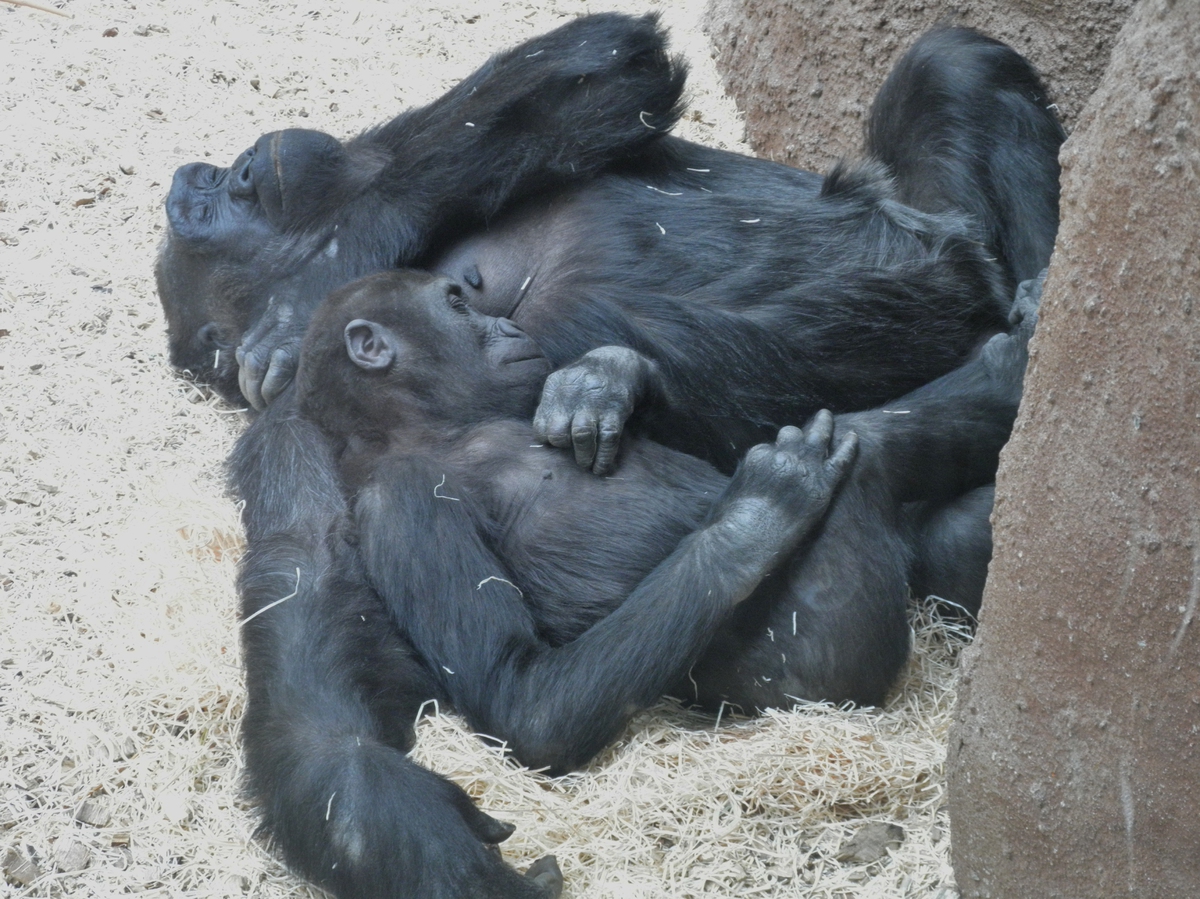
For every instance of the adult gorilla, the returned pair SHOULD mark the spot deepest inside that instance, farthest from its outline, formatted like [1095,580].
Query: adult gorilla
[741,295]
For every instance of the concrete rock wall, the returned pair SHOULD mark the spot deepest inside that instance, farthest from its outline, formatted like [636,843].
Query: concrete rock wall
[804,72]
[1075,759]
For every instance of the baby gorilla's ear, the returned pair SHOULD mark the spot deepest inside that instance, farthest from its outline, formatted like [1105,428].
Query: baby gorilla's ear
[370,346]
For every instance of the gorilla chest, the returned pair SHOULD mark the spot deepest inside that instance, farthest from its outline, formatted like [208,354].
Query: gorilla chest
[576,544]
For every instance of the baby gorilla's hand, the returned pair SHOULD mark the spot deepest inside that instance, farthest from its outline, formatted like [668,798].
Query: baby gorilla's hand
[797,471]
[781,492]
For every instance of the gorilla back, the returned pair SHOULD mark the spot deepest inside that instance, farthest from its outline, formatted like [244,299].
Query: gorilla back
[593,229]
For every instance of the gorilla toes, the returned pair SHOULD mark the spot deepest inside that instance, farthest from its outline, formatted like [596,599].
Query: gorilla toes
[1007,355]
[1028,299]
[800,465]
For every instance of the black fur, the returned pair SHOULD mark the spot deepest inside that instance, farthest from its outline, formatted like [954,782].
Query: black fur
[750,294]
[550,604]
[963,124]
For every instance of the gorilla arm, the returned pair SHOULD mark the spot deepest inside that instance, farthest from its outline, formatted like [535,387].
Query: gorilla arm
[556,706]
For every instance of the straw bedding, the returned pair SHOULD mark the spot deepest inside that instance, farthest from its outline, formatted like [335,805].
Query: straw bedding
[120,683]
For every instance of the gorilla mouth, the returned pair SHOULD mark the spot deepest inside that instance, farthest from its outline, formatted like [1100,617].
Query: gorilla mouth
[210,178]
[189,203]
[520,350]
[507,344]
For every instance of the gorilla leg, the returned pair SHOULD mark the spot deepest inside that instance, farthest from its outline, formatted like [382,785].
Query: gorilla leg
[953,546]
[834,627]
[963,123]
[953,540]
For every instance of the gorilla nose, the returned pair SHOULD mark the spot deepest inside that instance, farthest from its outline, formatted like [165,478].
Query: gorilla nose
[508,328]
[242,183]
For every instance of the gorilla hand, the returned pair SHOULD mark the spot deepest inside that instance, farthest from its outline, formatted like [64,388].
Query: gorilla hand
[1007,355]
[270,352]
[781,492]
[586,404]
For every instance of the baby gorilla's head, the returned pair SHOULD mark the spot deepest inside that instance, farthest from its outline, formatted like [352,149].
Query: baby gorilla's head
[402,349]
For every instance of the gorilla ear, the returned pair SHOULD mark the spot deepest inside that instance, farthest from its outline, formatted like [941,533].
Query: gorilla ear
[370,346]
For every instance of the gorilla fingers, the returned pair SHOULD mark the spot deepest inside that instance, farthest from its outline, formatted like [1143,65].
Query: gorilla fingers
[781,492]
[585,405]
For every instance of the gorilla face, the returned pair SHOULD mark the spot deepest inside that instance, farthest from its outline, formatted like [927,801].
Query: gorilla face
[405,349]
[280,185]
[261,235]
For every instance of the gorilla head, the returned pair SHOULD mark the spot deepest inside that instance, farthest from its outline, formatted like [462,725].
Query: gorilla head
[402,350]
[277,230]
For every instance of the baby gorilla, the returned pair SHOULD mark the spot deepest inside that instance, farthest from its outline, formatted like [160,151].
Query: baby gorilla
[551,603]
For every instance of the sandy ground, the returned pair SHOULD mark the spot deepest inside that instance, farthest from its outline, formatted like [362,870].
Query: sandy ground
[120,685]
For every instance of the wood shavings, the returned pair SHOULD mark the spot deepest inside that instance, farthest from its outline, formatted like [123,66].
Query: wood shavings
[93,813]
[19,869]
[39,7]
[440,484]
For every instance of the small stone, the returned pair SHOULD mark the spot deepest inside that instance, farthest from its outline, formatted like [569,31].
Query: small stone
[94,813]
[127,168]
[19,869]
[71,856]
[871,843]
